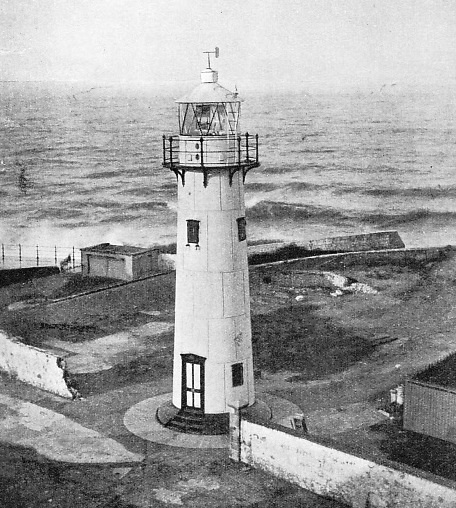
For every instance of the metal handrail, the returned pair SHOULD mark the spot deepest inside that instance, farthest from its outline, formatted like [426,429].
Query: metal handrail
[244,152]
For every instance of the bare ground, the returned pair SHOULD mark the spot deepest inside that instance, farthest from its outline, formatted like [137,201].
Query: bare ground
[325,353]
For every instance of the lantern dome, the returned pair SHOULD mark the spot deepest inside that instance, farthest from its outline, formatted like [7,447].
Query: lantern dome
[209,91]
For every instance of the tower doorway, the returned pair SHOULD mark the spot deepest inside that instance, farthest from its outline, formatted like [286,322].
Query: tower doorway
[193,382]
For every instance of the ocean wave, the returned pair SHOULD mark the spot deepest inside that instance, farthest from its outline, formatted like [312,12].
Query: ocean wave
[137,191]
[409,217]
[414,192]
[118,219]
[286,168]
[304,186]
[317,150]
[102,174]
[260,187]
[147,205]
[270,210]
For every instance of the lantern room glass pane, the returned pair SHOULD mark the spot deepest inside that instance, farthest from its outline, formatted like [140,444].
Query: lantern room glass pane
[208,119]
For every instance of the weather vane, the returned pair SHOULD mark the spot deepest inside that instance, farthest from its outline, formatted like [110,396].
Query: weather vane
[209,53]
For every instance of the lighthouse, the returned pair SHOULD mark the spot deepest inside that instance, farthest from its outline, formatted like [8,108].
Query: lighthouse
[213,364]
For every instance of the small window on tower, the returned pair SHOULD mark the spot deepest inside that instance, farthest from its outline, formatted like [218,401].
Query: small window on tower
[242,232]
[237,371]
[193,231]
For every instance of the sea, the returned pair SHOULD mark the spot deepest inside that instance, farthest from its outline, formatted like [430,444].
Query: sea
[80,164]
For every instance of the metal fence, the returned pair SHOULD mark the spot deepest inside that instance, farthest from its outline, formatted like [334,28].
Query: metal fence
[24,256]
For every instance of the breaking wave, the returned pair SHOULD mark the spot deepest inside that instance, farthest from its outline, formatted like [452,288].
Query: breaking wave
[271,210]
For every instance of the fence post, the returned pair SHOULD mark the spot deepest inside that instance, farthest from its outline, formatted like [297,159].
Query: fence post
[3,253]
[164,149]
[20,255]
[73,258]
[37,256]
[235,430]
[55,255]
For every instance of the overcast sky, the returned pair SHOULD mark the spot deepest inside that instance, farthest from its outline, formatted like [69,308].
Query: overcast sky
[272,43]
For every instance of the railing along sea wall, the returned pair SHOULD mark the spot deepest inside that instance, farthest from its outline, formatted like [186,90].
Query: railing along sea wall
[23,256]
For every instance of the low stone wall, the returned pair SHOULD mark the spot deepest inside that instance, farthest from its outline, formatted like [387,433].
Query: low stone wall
[368,258]
[32,365]
[17,275]
[327,471]
[265,248]
[369,241]
[351,243]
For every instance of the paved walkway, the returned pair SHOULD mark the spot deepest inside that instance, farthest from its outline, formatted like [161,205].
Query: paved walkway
[141,421]
[104,353]
[333,421]
[57,437]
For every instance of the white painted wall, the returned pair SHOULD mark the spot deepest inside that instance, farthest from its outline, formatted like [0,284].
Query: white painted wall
[212,317]
[31,365]
[339,475]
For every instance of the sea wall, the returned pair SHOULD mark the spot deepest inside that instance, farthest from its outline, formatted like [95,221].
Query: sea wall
[369,241]
[17,275]
[330,472]
[343,261]
[350,243]
[32,365]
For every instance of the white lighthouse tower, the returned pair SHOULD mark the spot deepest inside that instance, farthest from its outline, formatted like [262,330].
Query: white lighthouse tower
[213,364]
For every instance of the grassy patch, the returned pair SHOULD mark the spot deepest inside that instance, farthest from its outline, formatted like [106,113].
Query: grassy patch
[298,340]
[407,447]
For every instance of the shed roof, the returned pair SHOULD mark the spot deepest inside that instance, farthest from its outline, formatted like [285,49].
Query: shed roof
[107,248]
[442,373]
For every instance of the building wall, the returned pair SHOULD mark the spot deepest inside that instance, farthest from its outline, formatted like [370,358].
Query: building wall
[430,410]
[144,264]
[31,365]
[120,266]
[96,264]
[212,289]
[329,472]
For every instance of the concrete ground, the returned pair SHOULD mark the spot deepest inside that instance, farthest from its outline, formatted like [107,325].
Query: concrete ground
[60,453]
[313,349]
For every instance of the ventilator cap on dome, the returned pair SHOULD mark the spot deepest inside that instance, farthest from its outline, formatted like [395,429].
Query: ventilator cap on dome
[209,91]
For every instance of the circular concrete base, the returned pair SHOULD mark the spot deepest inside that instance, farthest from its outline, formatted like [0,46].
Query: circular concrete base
[141,421]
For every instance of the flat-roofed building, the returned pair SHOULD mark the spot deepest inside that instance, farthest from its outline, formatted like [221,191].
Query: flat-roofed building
[122,262]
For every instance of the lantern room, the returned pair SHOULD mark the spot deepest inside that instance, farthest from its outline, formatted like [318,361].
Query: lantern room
[209,131]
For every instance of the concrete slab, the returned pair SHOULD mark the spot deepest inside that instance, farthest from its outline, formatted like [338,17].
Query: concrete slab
[106,352]
[57,437]
[333,421]
[141,421]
